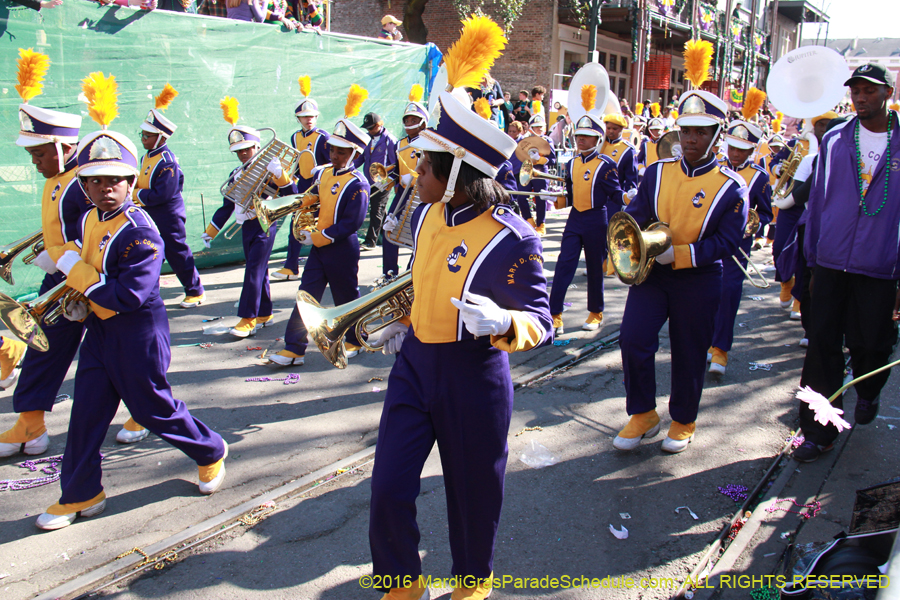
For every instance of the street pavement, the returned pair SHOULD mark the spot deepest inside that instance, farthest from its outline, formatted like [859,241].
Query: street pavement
[556,520]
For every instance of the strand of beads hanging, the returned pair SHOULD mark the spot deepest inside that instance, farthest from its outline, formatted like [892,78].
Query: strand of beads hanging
[887,172]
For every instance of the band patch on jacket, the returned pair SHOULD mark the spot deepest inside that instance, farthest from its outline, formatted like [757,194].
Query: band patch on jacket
[697,198]
[454,257]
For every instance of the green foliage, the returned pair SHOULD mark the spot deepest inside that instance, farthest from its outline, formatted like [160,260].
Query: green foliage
[507,12]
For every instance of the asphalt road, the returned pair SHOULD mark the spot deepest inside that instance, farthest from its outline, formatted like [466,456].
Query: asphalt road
[314,545]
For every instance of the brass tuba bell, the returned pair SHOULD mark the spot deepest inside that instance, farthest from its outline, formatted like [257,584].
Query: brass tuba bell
[633,251]
[269,211]
[9,253]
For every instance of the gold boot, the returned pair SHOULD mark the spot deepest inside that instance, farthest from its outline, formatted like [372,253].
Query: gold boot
[29,431]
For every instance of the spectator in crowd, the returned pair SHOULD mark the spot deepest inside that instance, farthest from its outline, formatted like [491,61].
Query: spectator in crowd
[562,131]
[382,149]
[212,8]
[507,109]
[490,90]
[306,15]
[245,10]
[537,100]
[522,108]
[389,29]
[37,5]
[277,11]
[646,114]
[515,130]
[667,117]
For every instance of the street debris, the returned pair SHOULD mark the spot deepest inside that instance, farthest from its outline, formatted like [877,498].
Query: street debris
[624,516]
[561,342]
[758,366]
[814,507]
[215,329]
[537,456]
[375,379]
[288,380]
[524,429]
[690,512]
[620,534]
[735,492]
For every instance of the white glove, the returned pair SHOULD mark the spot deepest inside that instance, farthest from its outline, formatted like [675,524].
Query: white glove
[630,194]
[405,180]
[534,155]
[305,238]
[46,263]
[667,257]
[390,223]
[483,316]
[207,239]
[274,167]
[551,199]
[240,217]
[776,170]
[67,261]
[392,337]
[76,311]
[677,152]
[641,170]
[784,203]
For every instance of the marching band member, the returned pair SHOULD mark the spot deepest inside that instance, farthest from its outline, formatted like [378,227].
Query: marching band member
[705,209]
[415,118]
[649,153]
[158,191]
[382,148]
[312,138]
[50,138]
[592,184]
[537,184]
[11,353]
[255,306]
[851,239]
[115,263]
[343,195]
[742,138]
[470,309]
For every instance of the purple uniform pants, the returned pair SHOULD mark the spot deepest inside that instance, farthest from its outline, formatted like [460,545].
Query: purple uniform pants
[585,230]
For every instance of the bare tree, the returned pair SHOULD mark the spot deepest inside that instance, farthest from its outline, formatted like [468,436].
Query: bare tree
[413,23]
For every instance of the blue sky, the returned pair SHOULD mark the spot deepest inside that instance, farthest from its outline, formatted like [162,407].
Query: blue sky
[858,18]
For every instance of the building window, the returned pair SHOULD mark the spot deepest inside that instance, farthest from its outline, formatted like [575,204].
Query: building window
[623,64]
[613,61]
[621,88]
[680,76]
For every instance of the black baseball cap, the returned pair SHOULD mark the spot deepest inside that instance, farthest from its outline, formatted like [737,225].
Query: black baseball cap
[371,120]
[873,72]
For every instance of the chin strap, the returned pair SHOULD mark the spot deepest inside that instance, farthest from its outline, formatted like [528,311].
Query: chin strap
[159,138]
[60,159]
[458,155]
[712,142]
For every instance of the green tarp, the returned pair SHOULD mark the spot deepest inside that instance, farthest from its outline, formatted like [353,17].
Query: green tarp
[205,59]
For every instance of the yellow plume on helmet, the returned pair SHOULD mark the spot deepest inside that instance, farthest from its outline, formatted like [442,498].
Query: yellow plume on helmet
[483,108]
[165,97]
[474,53]
[229,109]
[588,97]
[102,94]
[32,68]
[416,93]
[305,85]
[697,58]
[355,97]
[753,101]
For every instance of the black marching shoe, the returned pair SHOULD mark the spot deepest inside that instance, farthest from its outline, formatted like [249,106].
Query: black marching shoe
[810,451]
[866,410]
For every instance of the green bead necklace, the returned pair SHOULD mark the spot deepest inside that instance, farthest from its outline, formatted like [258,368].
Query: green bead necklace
[859,165]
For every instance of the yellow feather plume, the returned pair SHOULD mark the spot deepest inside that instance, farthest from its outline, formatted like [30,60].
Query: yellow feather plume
[102,94]
[674,114]
[483,108]
[416,93]
[474,53]
[588,97]
[753,101]
[776,125]
[355,97]
[32,68]
[895,106]
[779,115]
[697,58]
[229,109]
[165,97]
[305,85]
[537,107]
[655,110]
[639,108]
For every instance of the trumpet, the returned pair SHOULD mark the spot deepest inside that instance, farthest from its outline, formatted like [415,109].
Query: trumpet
[269,211]
[785,184]
[528,173]
[9,253]
[23,320]
[544,193]
[366,315]
[754,275]
[379,172]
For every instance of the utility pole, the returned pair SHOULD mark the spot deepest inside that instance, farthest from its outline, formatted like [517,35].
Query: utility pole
[593,55]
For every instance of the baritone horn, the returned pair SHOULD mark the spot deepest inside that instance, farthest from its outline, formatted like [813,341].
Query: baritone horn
[528,173]
[633,251]
[23,320]
[752,272]
[269,211]
[379,308]
[9,253]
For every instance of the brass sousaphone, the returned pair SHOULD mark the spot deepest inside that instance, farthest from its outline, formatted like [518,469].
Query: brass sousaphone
[633,251]
[669,145]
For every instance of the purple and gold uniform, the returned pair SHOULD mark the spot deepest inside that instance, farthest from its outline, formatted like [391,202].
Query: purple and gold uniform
[62,205]
[649,153]
[450,387]
[760,199]
[706,212]
[256,296]
[407,159]
[624,154]
[126,350]
[536,186]
[592,189]
[343,197]
[506,176]
[158,191]
[316,141]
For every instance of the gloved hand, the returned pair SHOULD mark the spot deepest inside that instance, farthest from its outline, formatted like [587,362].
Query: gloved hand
[550,199]
[44,262]
[784,203]
[534,155]
[390,223]
[76,311]
[241,217]
[483,316]
[305,238]
[667,257]
[776,170]
[67,261]
[207,239]
[677,152]
[392,337]
[641,170]
[274,167]
[405,180]
[630,194]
